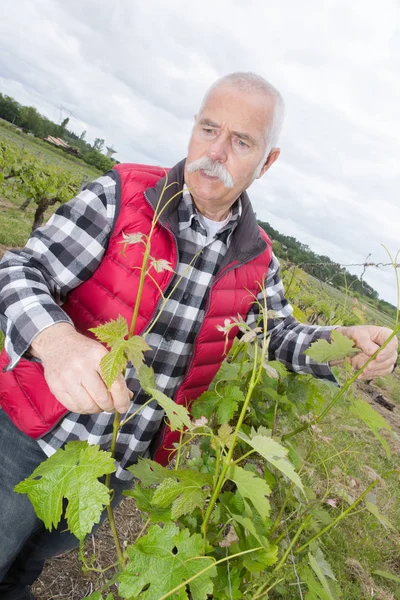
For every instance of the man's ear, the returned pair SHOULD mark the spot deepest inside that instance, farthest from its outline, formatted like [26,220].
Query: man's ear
[271,158]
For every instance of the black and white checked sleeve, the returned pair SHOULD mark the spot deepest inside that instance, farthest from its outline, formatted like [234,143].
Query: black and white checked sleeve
[56,259]
[289,338]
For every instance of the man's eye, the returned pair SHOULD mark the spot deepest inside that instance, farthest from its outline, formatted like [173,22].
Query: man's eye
[207,130]
[241,145]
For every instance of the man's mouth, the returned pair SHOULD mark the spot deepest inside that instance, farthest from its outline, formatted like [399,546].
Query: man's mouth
[211,177]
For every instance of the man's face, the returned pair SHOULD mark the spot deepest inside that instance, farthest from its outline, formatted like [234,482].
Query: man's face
[230,133]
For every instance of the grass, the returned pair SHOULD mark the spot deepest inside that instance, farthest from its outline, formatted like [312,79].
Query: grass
[341,460]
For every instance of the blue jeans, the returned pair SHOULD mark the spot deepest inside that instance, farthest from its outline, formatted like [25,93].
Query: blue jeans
[24,542]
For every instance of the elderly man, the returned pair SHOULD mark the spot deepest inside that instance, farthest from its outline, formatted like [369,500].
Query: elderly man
[209,237]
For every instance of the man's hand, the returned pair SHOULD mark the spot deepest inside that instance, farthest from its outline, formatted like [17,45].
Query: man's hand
[71,364]
[369,339]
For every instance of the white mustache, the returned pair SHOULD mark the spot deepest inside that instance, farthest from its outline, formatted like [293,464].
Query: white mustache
[213,169]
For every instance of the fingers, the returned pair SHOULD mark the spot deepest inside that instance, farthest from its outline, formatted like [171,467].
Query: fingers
[75,400]
[121,395]
[97,390]
[375,368]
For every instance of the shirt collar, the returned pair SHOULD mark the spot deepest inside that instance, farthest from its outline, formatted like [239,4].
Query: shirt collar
[187,212]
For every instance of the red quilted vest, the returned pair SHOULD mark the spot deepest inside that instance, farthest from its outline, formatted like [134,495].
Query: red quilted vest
[112,288]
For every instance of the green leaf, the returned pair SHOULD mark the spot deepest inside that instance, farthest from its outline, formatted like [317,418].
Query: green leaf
[185,495]
[319,570]
[340,347]
[228,403]
[177,414]
[254,488]
[205,405]
[149,472]
[387,575]
[147,378]
[70,473]
[134,349]
[273,453]
[144,497]
[163,559]
[373,509]
[372,419]
[228,372]
[224,404]
[113,363]
[225,434]
[112,332]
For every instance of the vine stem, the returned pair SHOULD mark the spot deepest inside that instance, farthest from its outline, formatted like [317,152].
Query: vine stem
[254,379]
[110,512]
[343,390]
[228,460]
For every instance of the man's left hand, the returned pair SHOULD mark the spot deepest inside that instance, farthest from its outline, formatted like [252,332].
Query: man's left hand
[369,339]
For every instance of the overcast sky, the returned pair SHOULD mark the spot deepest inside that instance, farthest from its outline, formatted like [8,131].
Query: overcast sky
[134,72]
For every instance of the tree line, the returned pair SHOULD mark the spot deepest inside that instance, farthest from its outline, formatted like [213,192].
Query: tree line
[322,267]
[30,120]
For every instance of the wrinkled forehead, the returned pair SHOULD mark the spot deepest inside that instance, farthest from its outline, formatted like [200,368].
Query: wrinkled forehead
[236,109]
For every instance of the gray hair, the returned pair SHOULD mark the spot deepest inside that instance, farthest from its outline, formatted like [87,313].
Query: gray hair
[251,82]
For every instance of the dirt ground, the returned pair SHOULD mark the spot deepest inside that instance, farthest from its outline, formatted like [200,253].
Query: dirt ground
[63,579]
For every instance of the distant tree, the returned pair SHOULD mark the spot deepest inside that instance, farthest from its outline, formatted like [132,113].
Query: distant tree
[63,126]
[9,109]
[31,120]
[83,135]
[98,160]
[98,144]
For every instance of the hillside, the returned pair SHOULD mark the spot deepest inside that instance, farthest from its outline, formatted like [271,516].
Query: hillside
[323,268]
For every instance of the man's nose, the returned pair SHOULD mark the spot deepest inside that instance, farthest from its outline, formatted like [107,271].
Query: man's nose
[217,150]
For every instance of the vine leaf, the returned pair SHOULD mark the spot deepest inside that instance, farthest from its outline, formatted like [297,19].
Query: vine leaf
[147,378]
[149,472]
[144,501]
[134,348]
[228,403]
[372,419]
[112,332]
[225,434]
[177,414]
[185,495]
[70,473]
[252,487]
[224,404]
[340,347]
[112,364]
[273,453]
[163,559]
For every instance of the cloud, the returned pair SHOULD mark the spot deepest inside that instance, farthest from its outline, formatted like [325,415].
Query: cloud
[134,73]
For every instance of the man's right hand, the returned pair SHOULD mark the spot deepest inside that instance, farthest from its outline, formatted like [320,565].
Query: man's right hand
[71,364]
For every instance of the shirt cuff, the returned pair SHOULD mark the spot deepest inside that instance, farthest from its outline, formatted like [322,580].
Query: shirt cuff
[311,367]
[27,326]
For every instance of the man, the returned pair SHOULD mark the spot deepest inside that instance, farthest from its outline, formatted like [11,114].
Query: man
[208,235]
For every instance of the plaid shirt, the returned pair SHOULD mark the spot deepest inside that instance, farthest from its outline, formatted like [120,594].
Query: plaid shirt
[69,248]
